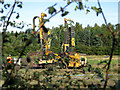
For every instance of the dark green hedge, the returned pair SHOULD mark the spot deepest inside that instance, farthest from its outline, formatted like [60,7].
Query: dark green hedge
[95,50]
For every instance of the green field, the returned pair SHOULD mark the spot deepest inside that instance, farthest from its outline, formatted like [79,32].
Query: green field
[74,78]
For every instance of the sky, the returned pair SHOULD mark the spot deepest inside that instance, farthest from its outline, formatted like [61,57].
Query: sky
[33,8]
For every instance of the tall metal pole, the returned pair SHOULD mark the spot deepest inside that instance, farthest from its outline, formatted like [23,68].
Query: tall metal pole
[72,38]
[66,45]
[42,34]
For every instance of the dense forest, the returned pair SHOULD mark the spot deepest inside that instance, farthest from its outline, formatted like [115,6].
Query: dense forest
[95,40]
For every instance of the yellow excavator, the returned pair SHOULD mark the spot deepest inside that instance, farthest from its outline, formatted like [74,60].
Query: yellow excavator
[74,59]
[43,38]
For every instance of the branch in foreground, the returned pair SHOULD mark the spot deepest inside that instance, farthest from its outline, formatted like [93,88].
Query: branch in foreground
[55,14]
[28,41]
[105,18]
[3,34]
[12,9]
[112,49]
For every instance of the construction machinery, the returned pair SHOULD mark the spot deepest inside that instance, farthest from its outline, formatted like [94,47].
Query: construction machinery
[43,38]
[48,57]
[74,59]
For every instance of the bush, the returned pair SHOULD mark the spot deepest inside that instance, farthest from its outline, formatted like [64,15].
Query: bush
[94,50]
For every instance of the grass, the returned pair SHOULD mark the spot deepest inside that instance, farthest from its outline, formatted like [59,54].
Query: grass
[95,60]
[60,74]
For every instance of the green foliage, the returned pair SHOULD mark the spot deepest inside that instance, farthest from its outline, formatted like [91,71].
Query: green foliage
[1,10]
[2,18]
[98,10]
[76,8]
[85,40]
[6,6]
[65,13]
[28,59]
[2,1]
[17,16]
[87,11]
[80,5]
[68,2]
[51,10]
[36,59]
[45,20]
[36,75]
[19,5]
[101,62]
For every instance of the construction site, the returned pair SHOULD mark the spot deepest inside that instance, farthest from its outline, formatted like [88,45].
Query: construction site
[58,52]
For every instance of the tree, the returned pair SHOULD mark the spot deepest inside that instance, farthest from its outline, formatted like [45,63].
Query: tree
[28,41]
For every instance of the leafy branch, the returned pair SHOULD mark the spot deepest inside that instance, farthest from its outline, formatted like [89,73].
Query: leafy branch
[4,30]
[113,45]
[11,12]
[29,41]
[59,10]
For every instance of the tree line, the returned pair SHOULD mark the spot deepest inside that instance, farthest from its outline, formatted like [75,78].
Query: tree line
[95,40]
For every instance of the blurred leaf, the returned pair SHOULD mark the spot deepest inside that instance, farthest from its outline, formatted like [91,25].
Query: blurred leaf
[12,81]
[2,1]
[17,2]
[0,24]
[22,27]
[26,69]
[97,70]
[20,5]
[19,27]
[68,76]
[98,10]
[97,13]
[87,11]
[36,60]
[103,80]
[84,84]
[17,16]
[11,24]
[60,81]
[50,69]
[80,5]
[92,87]
[3,18]
[105,61]
[76,8]
[65,13]
[6,6]
[36,74]
[51,10]
[28,59]
[62,9]
[1,11]
[45,20]
[68,2]
[100,75]
[94,8]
